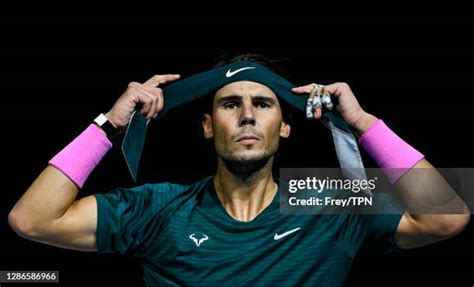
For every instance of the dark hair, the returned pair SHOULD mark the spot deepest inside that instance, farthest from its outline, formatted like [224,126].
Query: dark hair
[253,57]
[224,60]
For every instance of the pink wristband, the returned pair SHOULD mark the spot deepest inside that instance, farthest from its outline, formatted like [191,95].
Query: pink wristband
[81,156]
[389,151]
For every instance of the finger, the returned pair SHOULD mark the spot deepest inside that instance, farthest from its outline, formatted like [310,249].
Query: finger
[326,101]
[303,89]
[147,107]
[147,102]
[336,89]
[160,105]
[317,104]
[161,79]
[317,113]
[153,107]
[309,109]
[310,104]
[157,95]
[149,94]
[157,106]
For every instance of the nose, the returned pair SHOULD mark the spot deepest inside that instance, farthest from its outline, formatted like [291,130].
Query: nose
[247,115]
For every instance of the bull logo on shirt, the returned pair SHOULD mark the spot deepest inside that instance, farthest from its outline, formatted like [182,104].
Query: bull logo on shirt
[200,240]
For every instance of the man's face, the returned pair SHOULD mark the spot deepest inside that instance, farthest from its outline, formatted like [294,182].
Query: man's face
[246,122]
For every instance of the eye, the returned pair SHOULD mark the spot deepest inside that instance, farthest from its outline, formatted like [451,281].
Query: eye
[230,105]
[263,105]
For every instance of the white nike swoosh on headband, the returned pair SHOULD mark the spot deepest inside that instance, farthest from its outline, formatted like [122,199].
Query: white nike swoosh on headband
[230,74]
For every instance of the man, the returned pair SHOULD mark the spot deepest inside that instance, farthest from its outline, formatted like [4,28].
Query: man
[227,227]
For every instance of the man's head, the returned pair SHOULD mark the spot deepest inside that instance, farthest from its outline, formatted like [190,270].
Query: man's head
[246,122]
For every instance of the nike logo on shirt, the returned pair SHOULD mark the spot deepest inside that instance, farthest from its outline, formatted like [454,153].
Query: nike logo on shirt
[280,236]
[231,73]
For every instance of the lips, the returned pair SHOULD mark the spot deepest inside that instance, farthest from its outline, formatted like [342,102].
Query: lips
[247,138]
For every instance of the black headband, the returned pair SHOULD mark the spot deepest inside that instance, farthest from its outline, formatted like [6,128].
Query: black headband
[202,84]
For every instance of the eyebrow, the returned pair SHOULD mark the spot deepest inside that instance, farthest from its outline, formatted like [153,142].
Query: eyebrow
[238,98]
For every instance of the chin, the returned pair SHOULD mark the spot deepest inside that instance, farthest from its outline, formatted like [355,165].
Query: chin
[249,156]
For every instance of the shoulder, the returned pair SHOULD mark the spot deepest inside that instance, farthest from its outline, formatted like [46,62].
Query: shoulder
[152,195]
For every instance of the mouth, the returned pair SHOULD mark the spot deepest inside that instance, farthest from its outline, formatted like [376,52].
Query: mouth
[247,139]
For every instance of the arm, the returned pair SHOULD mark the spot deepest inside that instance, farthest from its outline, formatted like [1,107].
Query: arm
[421,186]
[426,195]
[429,187]
[48,211]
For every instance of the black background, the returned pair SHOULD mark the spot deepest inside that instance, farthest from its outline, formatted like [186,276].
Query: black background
[58,73]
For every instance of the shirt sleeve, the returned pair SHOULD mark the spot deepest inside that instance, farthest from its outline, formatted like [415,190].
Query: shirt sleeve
[126,216]
[379,239]
[372,234]
[380,229]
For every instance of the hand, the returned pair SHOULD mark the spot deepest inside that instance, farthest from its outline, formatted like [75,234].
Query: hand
[348,106]
[147,94]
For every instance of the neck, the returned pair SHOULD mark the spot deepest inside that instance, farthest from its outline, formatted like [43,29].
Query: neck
[245,189]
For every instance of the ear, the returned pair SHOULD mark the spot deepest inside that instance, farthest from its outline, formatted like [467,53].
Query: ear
[285,130]
[207,126]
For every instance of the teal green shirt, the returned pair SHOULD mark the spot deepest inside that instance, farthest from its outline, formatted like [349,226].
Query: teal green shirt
[183,236]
